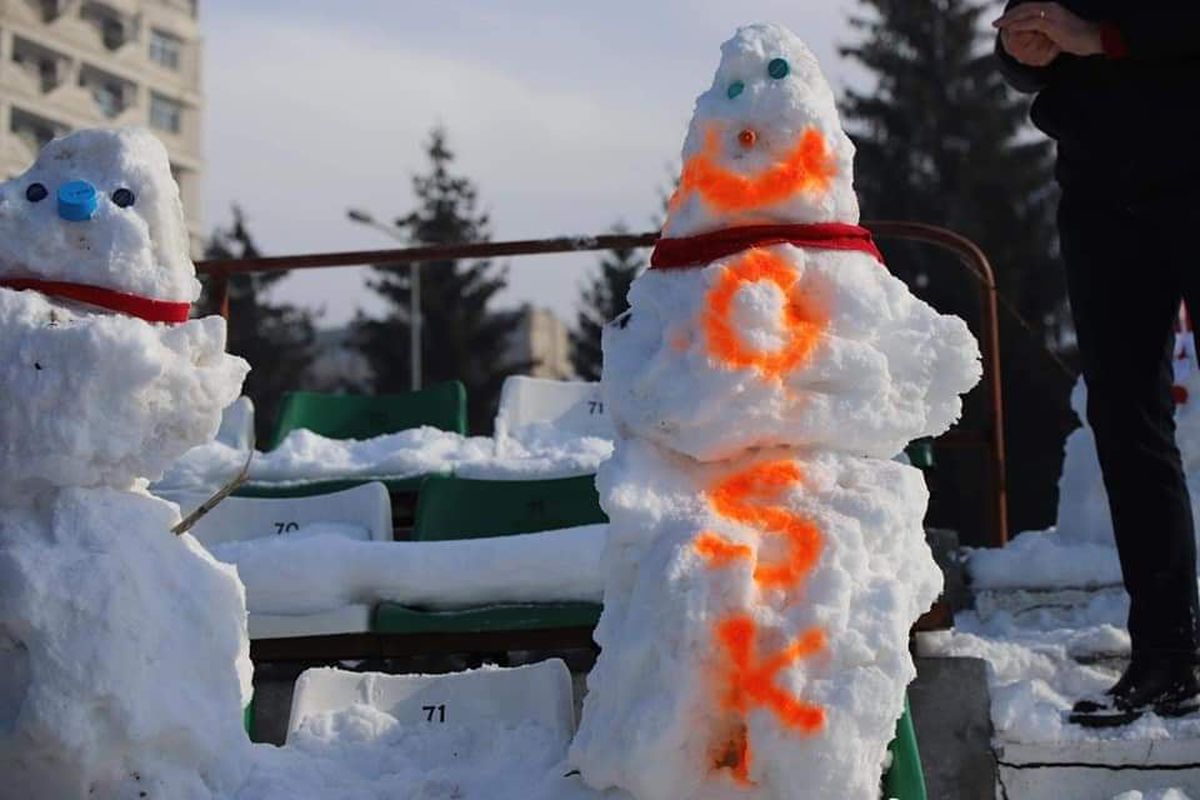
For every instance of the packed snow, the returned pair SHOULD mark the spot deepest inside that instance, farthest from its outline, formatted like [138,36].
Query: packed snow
[124,662]
[321,568]
[536,451]
[765,560]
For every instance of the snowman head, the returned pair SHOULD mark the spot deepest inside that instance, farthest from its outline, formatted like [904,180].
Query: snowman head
[99,209]
[765,145]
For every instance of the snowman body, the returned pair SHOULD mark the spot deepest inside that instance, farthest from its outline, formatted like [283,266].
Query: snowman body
[766,559]
[124,663]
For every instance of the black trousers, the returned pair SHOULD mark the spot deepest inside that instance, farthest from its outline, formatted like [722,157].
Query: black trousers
[1128,268]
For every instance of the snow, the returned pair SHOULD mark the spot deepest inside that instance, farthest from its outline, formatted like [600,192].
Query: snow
[1154,794]
[124,661]
[141,249]
[661,601]
[536,451]
[765,560]
[322,568]
[100,394]
[779,111]
[365,754]
[886,368]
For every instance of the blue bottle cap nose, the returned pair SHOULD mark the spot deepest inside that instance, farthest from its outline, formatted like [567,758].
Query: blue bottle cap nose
[77,201]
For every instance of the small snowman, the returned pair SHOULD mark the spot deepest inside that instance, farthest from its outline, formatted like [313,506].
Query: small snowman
[124,663]
[766,558]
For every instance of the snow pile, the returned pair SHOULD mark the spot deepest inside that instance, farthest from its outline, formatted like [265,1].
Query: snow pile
[762,571]
[304,456]
[124,663]
[1154,794]
[362,752]
[322,568]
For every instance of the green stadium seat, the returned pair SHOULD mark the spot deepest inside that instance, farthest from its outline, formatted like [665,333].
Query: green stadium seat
[349,416]
[904,780]
[466,509]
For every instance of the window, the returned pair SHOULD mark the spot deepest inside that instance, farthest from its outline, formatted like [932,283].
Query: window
[112,31]
[108,96]
[166,49]
[165,113]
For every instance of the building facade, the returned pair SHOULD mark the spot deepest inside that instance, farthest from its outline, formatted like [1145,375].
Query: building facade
[68,64]
[540,341]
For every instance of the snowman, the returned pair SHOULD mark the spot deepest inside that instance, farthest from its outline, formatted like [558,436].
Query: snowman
[124,664]
[766,558]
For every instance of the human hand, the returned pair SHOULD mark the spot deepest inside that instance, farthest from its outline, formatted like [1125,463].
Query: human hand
[1031,48]
[1070,33]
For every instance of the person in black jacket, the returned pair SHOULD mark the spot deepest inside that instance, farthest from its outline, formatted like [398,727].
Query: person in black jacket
[1118,84]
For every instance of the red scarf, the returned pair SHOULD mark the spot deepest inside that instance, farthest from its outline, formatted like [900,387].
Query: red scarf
[693,251]
[132,305]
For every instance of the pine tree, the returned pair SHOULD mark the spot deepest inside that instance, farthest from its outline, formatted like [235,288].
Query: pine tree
[276,338]
[462,338]
[941,139]
[604,298]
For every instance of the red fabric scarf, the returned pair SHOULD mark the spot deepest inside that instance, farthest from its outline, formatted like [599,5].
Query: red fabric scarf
[694,251]
[132,305]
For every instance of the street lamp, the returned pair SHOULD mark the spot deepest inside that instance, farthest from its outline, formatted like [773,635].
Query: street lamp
[414,295]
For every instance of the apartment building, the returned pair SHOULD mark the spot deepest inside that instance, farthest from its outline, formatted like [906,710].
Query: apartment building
[67,64]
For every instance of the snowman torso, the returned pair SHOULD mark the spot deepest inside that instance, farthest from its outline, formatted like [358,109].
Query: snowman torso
[765,560]
[122,647]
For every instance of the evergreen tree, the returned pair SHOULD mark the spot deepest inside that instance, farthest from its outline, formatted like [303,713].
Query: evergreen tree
[276,338]
[941,139]
[604,298]
[461,336]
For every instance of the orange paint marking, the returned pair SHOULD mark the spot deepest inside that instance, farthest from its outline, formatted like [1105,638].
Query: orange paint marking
[803,325]
[809,167]
[750,682]
[721,552]
[745,497]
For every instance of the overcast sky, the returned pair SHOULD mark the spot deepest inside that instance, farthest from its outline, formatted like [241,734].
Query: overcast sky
[568,117]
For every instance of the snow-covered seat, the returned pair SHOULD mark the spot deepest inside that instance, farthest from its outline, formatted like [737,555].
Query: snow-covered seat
[538,693]
[573,406]
[363,512]
[237,424]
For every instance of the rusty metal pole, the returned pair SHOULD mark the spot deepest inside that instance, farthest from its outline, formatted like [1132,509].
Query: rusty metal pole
[220,291]
[968,253]
[974,259]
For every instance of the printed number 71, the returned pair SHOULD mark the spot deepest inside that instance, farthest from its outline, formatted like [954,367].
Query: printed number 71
[434,711]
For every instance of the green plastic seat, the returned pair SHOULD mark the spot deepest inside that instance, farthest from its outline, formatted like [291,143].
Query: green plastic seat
[350,416]
[396,486]
[904,780]
[470,509]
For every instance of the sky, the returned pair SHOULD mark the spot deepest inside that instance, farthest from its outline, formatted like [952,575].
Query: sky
[568,116]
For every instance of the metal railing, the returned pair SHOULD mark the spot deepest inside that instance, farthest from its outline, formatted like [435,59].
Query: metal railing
[968,253]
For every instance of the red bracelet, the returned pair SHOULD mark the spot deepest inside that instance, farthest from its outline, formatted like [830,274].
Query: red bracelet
[1112,41]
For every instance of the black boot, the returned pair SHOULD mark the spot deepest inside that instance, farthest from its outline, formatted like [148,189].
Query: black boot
[1167,687]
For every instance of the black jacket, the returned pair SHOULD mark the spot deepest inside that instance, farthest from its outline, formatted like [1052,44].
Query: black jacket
[1129,125]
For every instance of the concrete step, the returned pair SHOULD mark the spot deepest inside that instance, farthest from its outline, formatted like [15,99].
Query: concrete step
[1097,769]
[1025,601]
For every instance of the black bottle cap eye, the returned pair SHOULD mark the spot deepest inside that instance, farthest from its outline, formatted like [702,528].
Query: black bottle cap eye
[123,198]
[36,192]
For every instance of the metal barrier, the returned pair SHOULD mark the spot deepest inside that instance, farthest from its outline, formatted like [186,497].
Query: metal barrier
[968,253]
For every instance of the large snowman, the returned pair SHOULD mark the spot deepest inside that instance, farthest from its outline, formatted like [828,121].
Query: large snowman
[766,559]
[123,657]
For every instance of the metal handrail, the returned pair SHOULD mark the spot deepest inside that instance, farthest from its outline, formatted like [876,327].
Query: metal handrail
[969,255]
